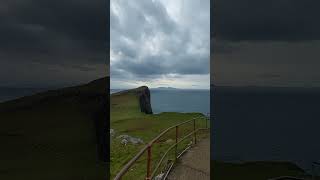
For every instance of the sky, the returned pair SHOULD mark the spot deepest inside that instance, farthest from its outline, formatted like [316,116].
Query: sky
[266,43]
[45,43]
[59,43]
[160,43]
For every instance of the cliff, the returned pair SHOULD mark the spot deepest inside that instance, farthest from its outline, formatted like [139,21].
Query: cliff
[143,95]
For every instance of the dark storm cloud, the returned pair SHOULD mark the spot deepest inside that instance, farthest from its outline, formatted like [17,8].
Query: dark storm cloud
[266,20]
[30,25]
[267,63]
[70,33]
[266,43]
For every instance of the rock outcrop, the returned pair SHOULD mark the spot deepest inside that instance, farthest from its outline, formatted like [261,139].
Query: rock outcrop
[144,99]
[143,94]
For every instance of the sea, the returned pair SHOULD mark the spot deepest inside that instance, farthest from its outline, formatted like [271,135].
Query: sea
[178,100]
[266,124]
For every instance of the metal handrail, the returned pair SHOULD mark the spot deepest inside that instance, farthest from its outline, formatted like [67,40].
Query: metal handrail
[171,147]
[125,169]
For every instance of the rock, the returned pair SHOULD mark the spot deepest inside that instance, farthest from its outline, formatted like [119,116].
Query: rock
[124,141]
[112,132]
[159,177]
[144,99]
[129,139]
[123,136]
[136,140]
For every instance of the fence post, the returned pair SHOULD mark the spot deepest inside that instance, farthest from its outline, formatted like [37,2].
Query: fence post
[176,153]
[194,130]
[149,163]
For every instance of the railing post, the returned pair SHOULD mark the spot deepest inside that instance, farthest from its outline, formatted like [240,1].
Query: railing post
[176,152]
[194,130]
[149,163]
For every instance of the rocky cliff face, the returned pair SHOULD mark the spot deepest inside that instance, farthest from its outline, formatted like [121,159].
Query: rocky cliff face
[144,99]
[143,94]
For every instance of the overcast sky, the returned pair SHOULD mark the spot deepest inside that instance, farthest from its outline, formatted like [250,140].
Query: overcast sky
[160,43]
[266,43]
[52,43]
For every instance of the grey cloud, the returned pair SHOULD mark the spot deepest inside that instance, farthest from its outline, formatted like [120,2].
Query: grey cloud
[149,42]
[272,20]
[159,65]
[267,63]
[274,42]
[71,34]
[31,26]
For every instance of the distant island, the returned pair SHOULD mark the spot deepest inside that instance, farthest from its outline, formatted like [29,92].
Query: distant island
[165,88]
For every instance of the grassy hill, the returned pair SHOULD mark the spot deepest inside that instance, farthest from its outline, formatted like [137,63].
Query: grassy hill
[58,134]
[127,119]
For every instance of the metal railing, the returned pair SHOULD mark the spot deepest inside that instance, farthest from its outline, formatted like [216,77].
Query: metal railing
[149,173]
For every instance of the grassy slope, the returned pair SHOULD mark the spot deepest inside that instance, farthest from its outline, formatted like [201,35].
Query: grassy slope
[52,135]
[126,118]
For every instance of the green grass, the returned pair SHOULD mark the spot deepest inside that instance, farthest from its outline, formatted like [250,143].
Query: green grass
[126,118]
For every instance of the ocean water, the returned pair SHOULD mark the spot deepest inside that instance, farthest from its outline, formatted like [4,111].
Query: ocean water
[178,100]
[266,124]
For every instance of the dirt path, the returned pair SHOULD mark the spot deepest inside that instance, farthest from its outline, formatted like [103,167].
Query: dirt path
[195,164]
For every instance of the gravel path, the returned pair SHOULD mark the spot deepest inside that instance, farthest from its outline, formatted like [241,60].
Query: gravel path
[194,164]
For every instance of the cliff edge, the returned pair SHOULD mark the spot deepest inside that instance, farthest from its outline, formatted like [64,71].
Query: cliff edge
[144,99]
[143,95]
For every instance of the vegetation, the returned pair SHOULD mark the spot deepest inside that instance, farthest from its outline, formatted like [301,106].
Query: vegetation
[126,118]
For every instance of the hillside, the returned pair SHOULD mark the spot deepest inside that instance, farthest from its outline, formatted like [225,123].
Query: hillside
[58,134]
[128,118]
